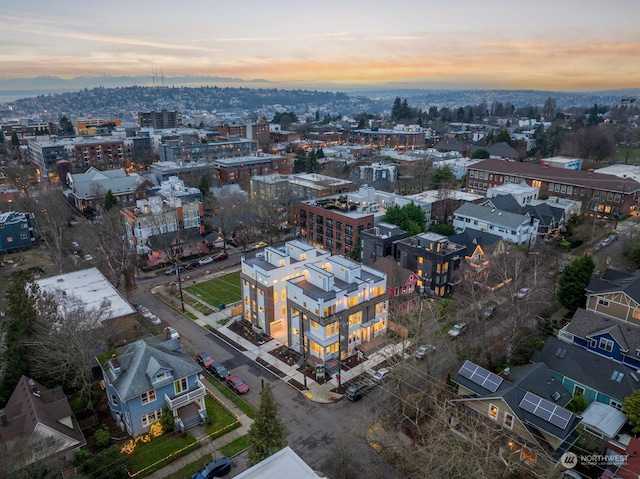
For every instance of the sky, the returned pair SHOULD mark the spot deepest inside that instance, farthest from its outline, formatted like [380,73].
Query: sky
[561,45]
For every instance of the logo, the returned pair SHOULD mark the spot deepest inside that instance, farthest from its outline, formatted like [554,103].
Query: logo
[569,460]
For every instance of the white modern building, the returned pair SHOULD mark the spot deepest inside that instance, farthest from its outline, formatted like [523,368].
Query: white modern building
[521,192]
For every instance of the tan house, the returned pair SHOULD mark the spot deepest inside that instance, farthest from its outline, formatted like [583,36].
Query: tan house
[526,405]
[615,295]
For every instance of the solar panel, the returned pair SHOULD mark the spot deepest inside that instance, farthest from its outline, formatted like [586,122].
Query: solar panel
[480,376]
[552,413]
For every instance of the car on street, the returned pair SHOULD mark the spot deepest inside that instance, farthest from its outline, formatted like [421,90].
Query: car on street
[204,359]
[220,256]
[88,257]
[423,350]
[207,260]
[261,244]
[192,264]
[381,374]
[217,468]
[237,384]
[355,391]
[171,333]
[153,318]
[173,270]
[219,371]
[457,330]
[489,310]
[522,293]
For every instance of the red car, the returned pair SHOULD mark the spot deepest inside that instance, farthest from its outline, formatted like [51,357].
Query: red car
[220,256]
[204,359]
[237,384]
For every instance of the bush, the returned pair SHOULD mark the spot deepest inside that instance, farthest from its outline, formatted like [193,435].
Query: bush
[566,245]
[102,437]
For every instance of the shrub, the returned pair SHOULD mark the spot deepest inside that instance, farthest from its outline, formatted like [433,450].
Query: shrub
[102,437]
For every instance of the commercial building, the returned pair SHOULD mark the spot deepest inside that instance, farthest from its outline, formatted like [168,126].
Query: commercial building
[335,308]
[264,282]
[410,137]
[160,119]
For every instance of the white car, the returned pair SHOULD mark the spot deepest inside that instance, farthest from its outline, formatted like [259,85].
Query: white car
[380,374]
[88,257]
[153,318]
[206,260]
[522,293]
[423,350]
[457,330]
[171,333]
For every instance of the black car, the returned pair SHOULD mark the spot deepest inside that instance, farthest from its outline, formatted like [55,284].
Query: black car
[192,264]
[219,371]
[355,391]
[217,468]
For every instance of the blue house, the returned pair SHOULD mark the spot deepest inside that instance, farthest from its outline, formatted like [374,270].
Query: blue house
[143,378]
[17,231]
[604,336]
[581,371]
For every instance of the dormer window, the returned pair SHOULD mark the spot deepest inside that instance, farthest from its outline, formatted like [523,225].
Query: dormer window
[606,344]
[161,376]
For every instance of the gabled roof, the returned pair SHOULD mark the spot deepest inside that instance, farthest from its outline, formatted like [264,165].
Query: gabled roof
[31,405]
[140,361]
[450,144]
[616,281]
[604,418]
[537,380]
[505,203]
[492,215]
[94,182]
[587,324]
[546,213]
[396,274]
[504,150]
[587,368]
[470,238]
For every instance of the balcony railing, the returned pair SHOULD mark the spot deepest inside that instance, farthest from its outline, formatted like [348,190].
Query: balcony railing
[186,397]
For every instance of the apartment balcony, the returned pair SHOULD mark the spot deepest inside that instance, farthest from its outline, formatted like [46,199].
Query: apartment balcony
[186,397]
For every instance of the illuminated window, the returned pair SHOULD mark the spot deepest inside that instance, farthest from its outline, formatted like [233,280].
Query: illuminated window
[314,325]
[181,385]
[420,260]
[381,307]
[152,417]
[148,396]
[355,319]
[493,412]
[353,301]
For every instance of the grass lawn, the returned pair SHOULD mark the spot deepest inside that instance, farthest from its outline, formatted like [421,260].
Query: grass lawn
[244,406]
[225,289]
[236,446]
[222,421]
[632,153]
[159,452]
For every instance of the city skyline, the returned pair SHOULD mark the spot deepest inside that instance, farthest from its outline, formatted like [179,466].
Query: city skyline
[566,46]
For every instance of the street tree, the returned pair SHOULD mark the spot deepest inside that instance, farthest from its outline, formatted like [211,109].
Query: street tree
[267,434]
[114,249]
[573,281]
[631,407]
[63,340]
[53,217]
[229,211]
[267,218]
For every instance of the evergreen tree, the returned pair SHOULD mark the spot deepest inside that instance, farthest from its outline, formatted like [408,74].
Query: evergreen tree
[204,186]
[573,281]
[110,200]
[267,435]
[15,141]
[66,127]
[441,176]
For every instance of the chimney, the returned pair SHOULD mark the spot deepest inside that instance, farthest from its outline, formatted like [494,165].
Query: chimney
[506,373]
[114,361]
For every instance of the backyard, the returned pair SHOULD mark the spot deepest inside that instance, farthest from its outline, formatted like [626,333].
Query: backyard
[222,290]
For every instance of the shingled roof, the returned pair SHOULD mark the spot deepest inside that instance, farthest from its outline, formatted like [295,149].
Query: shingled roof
[492,215]
[616,281]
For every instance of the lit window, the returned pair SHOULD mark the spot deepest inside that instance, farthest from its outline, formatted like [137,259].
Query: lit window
[493,412]
[148,396]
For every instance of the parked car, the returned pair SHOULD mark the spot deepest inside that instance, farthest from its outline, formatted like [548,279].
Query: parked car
[489,310]
[217,468]
[220,256]
[522,293]
[237,384]
[171,333]
[173,270]
[206,260]
[355,391]
[88,257]
[457,330]
[423,350]
[204,359]
[261,244]
[219,371]
[192,264]
[380,374]
[153,318]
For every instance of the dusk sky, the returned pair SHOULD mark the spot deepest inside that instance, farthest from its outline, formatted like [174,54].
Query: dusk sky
[543,44]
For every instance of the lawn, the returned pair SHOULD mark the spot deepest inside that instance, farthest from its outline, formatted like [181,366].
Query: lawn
[222,421]
[223,290]
[160,451]
[631,154]
[240,403]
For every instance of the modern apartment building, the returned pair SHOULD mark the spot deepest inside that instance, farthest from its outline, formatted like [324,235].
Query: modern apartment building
[264,284]
[405,137]
[106,153]
[160,119]
[433,258]
[335,308]
[241,169]
[301,185]
[187,148]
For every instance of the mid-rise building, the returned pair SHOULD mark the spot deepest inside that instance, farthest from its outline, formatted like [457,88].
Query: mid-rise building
[335,308]
[378,172]
[405,137]
[264,281]
[183,148]
[241,169]
[160,119]
[301,185]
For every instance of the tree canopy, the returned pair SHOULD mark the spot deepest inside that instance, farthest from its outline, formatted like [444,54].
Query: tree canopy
[631,407]
[110,201]
[410,218]
[441,176]
[573,281]
[267,434]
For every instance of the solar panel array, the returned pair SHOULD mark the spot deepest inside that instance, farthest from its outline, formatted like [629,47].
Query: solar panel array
[556,415]
[480,376]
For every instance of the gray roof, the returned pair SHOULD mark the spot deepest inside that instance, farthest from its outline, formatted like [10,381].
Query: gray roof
[587,324]
[534,378]
[587,368]
[141,360]
[470,238]
[546,213]
[94,182]
[492,215]
[506,203]
[616,281]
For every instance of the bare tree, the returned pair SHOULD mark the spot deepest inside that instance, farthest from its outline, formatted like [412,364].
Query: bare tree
[267,218]
[53,216]
[230,209]
[114,250]
[64,340]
